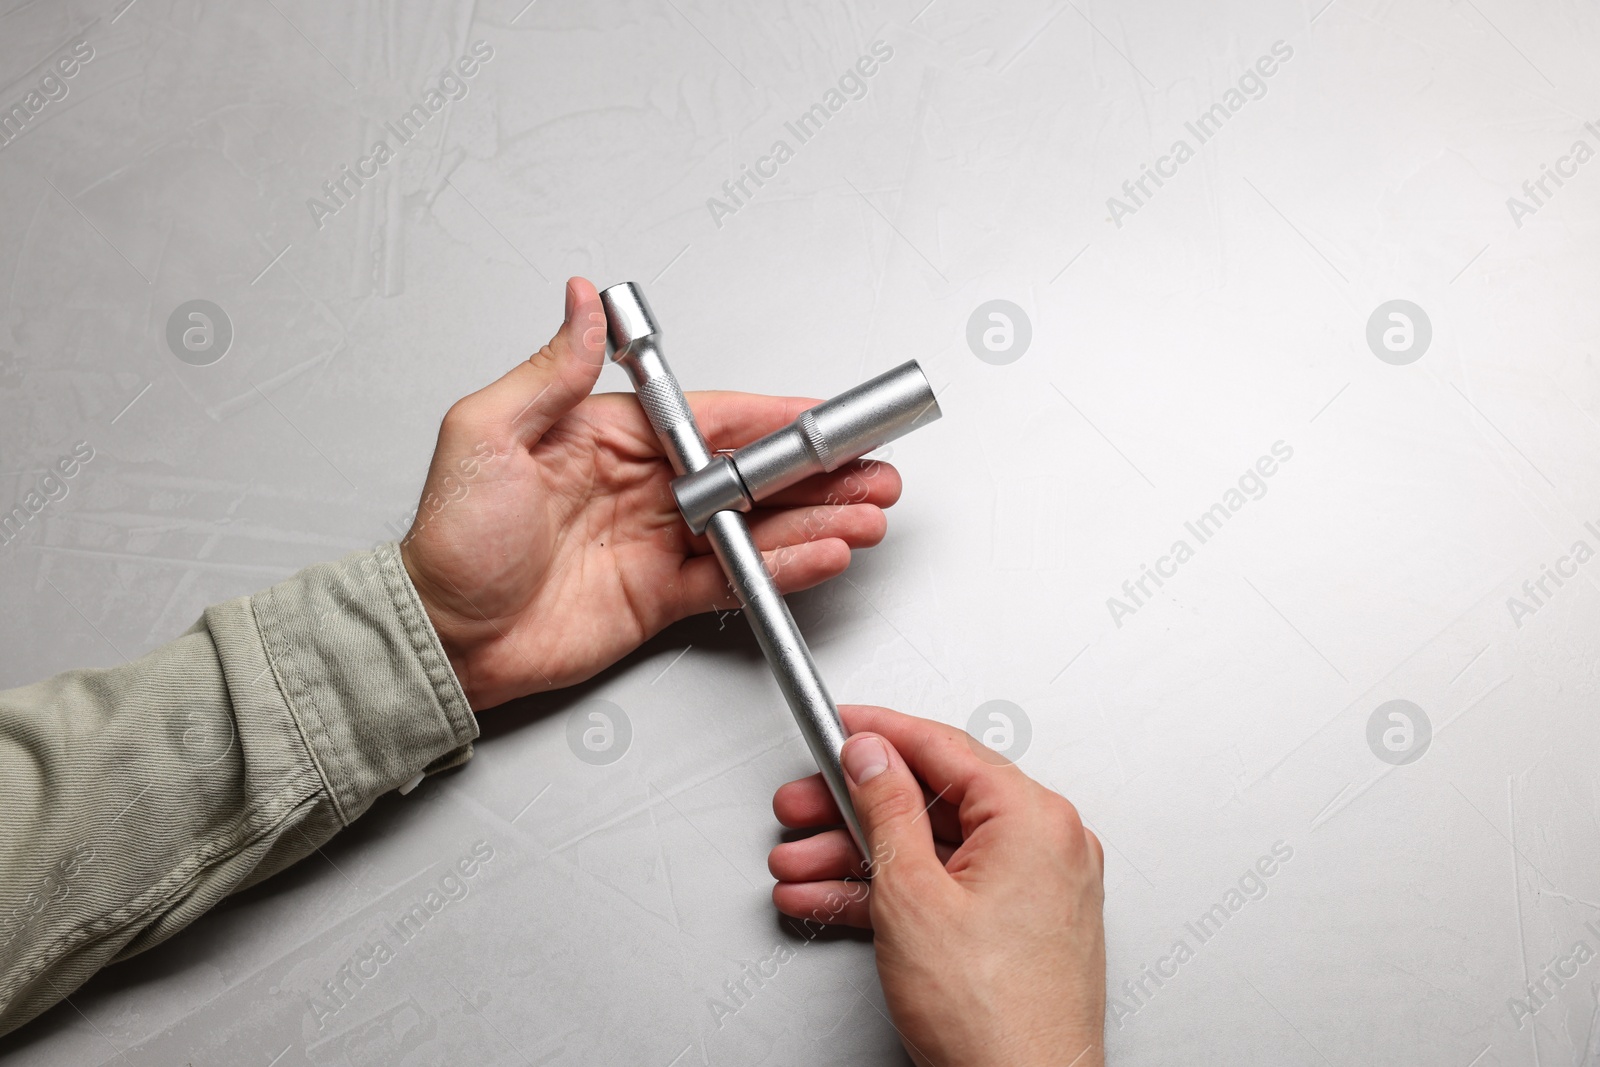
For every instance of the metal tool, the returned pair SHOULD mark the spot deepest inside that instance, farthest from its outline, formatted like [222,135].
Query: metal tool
[713,489]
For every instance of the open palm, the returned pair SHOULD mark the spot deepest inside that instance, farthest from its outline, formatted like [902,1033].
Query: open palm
[548,546]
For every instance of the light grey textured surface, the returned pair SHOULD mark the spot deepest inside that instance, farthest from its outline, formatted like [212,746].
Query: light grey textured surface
[1175,338]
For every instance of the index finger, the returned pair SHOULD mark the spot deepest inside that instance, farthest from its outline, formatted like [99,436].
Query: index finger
[731,420]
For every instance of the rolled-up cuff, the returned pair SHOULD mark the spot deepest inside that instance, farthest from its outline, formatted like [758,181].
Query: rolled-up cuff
[365,677]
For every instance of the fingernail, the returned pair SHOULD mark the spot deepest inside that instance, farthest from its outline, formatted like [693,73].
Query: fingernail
[865,759]
[572,300]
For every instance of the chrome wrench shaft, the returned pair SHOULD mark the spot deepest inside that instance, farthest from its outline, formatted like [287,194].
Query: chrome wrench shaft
[903,402]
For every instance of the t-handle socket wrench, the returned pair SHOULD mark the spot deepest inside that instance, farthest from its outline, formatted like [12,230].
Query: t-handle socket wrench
[713,489]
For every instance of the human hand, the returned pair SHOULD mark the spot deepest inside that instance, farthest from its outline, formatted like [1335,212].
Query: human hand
[548,544]
[985,899]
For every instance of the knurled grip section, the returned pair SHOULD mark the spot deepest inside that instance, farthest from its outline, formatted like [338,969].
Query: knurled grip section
[814,438]
[663,403]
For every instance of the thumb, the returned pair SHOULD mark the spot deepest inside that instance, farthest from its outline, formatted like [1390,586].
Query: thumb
[894,819]
[537,392]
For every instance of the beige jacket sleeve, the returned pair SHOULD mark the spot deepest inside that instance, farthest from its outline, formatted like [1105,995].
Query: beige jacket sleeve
[133,799]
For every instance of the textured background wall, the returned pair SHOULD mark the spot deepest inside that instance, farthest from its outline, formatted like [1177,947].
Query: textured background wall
[1428,859]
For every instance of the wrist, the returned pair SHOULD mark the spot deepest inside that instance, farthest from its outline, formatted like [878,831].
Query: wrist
[1068,1045]
[1073,1054]
[1076,1053]
[454,639]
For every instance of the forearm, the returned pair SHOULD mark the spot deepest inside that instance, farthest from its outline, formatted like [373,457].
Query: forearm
[136,798]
